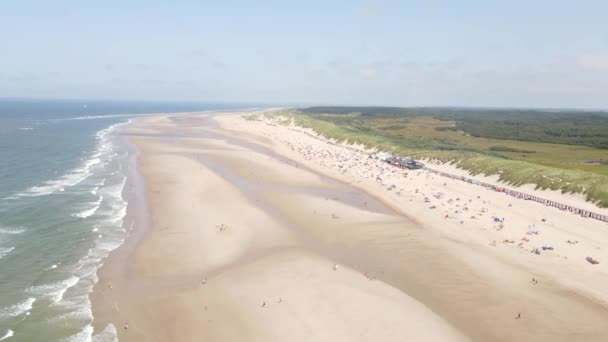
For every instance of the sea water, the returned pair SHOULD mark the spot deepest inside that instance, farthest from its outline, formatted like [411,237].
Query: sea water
[62,175]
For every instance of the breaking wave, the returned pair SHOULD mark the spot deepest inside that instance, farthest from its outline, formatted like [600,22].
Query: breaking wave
[8,334]
[54,291]
[101,155]
[11,230]
[18,309]
[5,251]
[91,211]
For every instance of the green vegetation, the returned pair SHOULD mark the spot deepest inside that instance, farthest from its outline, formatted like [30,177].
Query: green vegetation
[564,151]
[509,149]
[560,127]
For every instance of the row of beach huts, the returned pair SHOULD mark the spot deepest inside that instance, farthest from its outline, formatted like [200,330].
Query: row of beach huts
[409,163]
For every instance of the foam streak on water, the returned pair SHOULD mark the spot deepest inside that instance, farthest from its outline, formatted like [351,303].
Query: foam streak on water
[11,230]
[4,251]
[108,334]
[53,291]
[8,334]
[88,212]
[76,175]
[18,309]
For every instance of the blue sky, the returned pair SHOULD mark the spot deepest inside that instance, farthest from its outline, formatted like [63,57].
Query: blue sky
[532,53]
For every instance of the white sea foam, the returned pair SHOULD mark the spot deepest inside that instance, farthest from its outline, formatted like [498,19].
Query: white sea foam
[77,304]
[11,230]
[54,291]
[78,310]
[26,128]
[88,164]
[78,174]
[79,307]
[72,178]
[58,296]
[5,250]
[108,334]
[55,185]
[18,309]
[90,211]
[8,334]
[70,297]
[116,190]
[116,209]
[85,335]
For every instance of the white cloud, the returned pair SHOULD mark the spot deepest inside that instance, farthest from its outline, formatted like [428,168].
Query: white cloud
[368,72]
[370,8]
[596,62]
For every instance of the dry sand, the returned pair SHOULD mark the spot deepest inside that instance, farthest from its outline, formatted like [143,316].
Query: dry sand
[268,233]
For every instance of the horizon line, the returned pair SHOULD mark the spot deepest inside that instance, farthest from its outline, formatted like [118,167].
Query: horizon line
[301,104]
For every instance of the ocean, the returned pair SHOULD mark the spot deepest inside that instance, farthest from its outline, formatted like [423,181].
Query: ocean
[63,168]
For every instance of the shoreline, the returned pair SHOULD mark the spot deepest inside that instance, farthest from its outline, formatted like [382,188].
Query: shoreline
[220,157]
[116,266]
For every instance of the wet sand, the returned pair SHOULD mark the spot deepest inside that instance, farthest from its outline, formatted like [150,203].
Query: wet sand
[239,242]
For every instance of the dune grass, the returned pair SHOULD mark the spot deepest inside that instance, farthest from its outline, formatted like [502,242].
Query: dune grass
[550,168]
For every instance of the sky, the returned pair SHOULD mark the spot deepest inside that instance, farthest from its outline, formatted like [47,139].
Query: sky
[517,53]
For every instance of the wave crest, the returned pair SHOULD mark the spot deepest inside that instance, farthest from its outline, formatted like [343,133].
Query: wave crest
[18,309]
[8,334]
[78,174]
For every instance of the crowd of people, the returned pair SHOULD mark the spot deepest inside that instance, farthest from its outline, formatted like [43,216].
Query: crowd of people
[521,195]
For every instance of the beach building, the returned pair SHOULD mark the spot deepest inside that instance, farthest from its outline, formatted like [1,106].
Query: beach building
[404,162]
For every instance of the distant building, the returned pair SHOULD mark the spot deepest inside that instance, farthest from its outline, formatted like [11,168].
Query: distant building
[404,162]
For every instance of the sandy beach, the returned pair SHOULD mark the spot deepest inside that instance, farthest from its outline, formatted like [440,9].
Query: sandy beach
[249,230]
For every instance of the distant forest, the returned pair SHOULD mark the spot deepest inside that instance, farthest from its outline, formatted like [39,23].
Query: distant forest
[561,127]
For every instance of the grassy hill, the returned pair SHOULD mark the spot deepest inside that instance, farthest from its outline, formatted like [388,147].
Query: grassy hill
[559,150]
